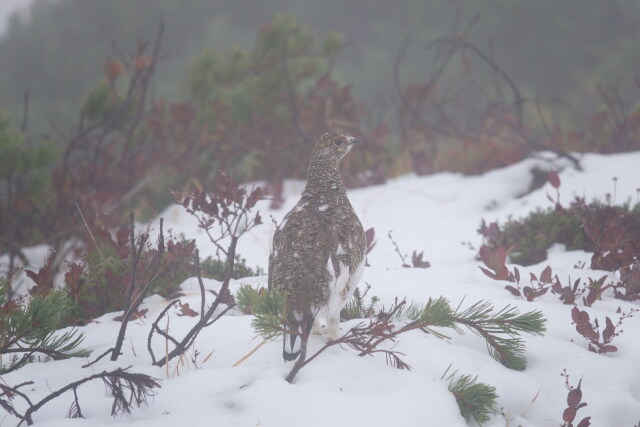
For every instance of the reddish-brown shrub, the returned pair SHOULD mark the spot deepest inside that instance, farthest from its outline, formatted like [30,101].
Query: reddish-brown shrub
[599,343]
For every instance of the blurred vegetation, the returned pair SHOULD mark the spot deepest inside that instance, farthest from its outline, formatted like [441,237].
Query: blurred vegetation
[213,268]
[528,239]
[558,50]
[250,93]
[98,284]
[611,232]
[134,124]
[25,177]
[265,99]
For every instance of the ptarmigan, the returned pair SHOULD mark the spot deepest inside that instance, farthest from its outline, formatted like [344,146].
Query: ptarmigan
[318,252]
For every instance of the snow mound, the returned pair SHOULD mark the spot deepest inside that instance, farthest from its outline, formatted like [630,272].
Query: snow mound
[434,214]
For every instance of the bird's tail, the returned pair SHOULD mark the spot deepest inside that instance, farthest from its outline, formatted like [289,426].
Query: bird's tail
[295,343]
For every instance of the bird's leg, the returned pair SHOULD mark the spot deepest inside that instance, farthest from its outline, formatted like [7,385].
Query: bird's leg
[302,358]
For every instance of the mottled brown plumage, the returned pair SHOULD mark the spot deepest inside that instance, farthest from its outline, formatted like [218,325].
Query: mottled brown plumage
[318,250]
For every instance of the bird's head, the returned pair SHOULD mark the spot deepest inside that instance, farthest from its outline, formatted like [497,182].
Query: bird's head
[332,147]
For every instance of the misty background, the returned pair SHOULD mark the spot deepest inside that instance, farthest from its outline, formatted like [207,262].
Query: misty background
[56,49]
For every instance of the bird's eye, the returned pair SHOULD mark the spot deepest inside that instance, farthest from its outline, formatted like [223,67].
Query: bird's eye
[337,142]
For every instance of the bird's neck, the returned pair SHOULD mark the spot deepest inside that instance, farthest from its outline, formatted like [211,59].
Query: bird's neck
[323,178]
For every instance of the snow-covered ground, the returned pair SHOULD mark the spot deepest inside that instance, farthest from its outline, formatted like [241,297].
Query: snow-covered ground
[434,214]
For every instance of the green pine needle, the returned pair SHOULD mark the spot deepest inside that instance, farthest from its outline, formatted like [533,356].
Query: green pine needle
[247,299]
[268,307]
[501,330]
[358,308]
[30,330]
[435,313]
[475,400]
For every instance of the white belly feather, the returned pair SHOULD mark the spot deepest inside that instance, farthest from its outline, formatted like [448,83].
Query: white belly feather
[341,288]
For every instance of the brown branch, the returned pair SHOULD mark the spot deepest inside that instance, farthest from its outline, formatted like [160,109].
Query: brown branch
[9,392]
[156,328]
[180,346]
[365,340]
[200,283]
[16,365]
[132,304]
[139,385]
[98,358]
[227,209]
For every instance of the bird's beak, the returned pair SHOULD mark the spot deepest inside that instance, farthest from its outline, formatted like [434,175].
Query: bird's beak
[352,141]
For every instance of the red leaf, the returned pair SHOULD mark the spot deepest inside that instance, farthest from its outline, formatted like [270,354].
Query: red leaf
[370,235]
[489,273]
[557,288]
[73,279]
[609,331]
[545,277]
[586,422]
[185,310]
[511,289]
[495,259]
[607,349]
[500,258]
[528,293]
[554,179]
[574,397]
[494,231]
[575,314]
[516,274]
[417,261]
[569,414]
[583,325]
[591,297]
[43,278]
[486,253]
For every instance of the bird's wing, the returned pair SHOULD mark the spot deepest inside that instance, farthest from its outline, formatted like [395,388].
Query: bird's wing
[302,248]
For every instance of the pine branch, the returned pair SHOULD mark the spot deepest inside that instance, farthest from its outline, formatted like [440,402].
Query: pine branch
[127,389]
[436,313]
[501,330]
[270,311]
[475,400]
[27,329]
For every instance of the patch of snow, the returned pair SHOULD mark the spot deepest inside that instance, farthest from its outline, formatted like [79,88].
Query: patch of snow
[434,214]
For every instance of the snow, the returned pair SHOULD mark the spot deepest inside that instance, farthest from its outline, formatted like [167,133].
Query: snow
[434,214]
